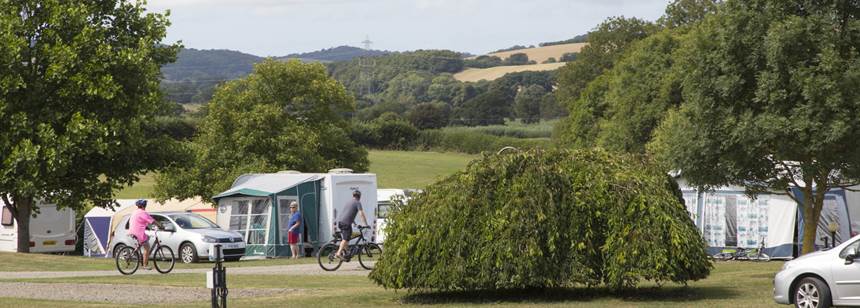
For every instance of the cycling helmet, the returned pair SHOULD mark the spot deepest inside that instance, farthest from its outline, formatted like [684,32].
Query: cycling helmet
[140,203]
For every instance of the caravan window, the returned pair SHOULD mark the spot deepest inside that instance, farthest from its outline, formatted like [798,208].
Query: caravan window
[382,209]
[6,218]
[250,218]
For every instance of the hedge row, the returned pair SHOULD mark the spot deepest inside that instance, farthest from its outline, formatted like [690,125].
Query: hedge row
[543,219]
[473,142]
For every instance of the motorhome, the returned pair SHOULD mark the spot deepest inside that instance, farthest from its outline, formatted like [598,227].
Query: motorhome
[52,230]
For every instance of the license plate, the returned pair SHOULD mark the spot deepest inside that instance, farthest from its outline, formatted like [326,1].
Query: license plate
[49,243]
[231,246]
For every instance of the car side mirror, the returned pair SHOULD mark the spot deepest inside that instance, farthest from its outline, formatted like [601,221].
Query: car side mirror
[169,228]
[849,258]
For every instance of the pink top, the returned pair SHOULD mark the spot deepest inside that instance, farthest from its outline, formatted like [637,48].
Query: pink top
[139,220]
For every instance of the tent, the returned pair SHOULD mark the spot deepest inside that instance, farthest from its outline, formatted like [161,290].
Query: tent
[727,217]
[257,206]
[99,223]
[247,207]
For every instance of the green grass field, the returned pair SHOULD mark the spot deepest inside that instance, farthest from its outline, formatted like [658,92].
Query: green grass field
[410,169]
[732,284]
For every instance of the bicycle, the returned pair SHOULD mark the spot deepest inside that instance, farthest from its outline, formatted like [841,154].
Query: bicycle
[757,254]
[129,259]
[366,251]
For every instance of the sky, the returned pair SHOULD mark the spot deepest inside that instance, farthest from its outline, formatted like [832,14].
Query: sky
[281,27]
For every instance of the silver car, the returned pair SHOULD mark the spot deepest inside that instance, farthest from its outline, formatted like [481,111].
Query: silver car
[189,235]
[822,278]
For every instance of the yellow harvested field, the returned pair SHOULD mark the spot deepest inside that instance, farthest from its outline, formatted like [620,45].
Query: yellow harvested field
[540,54]
[477,74]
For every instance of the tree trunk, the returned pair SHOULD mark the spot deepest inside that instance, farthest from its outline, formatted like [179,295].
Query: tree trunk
[25,207]
[811,214]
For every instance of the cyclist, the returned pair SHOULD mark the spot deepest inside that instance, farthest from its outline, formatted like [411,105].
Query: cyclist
[346,218]
[139,220]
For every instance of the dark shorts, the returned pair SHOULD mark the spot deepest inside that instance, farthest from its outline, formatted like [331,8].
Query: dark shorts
[292,238]
[345,230]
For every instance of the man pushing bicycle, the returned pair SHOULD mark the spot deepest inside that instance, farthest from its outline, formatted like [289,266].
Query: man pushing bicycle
[138,222]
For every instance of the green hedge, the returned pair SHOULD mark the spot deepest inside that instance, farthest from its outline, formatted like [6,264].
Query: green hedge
[543,219]
[473,142]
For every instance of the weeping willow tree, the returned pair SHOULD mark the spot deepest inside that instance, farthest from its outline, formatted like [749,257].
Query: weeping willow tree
[543,219]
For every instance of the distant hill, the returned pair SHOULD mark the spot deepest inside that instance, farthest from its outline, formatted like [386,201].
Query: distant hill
[336,54]
[194,75]
[195,64]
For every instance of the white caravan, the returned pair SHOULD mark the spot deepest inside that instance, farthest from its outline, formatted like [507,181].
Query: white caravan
[51,230]
[383,206]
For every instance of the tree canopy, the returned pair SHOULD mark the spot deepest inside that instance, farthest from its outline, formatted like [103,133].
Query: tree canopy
[78,96]
[770,101]
[282,116]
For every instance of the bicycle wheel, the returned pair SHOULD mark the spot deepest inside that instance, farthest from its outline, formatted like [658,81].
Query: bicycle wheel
[163,259]
[762,257]
[722,256]
[326,257]
[368,255]
[127,260]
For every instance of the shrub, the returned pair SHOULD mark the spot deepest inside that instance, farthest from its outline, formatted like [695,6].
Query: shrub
[543,219]
[429,115]
[472,141]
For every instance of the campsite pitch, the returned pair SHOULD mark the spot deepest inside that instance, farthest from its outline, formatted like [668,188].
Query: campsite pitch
[743,284]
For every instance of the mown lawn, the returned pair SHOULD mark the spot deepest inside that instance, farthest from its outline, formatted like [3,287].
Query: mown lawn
[732,284]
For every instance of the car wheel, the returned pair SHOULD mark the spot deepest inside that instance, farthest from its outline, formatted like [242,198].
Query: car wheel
[188,253]
[811,293]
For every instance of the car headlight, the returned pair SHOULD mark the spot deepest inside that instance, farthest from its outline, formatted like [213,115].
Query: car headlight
[787,265]
[210,239]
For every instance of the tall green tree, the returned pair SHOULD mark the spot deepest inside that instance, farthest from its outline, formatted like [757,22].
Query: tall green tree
[78,94]
[282,116]
[771,101]
[606,45]
[528,102]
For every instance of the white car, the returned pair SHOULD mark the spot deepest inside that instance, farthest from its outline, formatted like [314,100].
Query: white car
[822,278]
[189,235]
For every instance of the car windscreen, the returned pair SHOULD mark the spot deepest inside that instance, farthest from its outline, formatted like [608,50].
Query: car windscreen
[193,221]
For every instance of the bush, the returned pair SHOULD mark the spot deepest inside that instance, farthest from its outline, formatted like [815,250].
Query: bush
[429,115]
[568,57]
[543,219]
[472,141]
[389,131]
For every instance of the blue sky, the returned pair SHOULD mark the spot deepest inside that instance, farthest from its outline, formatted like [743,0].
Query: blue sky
[280,27]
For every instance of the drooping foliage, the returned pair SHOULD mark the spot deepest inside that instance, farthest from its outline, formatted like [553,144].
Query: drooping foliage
[543,219]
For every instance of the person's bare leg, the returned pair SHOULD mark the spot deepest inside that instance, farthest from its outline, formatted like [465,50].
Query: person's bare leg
[145,255]
[295,249]
[342,248]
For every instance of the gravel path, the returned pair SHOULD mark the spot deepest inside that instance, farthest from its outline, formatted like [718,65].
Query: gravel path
[122,294]
[146,294]
[351,268]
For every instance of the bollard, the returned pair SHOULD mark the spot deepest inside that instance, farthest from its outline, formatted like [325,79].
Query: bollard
[219,281]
